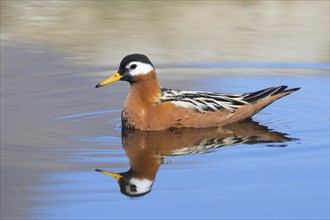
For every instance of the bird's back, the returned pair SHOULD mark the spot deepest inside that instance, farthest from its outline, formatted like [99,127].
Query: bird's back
[198,109]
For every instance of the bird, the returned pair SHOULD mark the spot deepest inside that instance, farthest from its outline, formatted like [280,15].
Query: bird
[148,150]
[149,106]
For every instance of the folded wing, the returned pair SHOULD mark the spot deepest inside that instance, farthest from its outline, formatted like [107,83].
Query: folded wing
[202,102]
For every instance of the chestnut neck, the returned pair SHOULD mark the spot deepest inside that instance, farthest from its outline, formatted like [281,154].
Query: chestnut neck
[146,87]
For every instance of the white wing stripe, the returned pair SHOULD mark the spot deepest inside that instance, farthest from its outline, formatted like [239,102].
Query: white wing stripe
[209,101]
[202,101]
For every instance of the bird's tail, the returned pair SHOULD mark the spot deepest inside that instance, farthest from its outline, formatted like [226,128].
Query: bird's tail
[278,91]
[259,100]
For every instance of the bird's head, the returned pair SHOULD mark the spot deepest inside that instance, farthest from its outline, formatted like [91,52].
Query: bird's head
[129,184]
[130,68]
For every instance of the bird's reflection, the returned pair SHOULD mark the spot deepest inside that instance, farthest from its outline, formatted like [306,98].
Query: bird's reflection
[146,150]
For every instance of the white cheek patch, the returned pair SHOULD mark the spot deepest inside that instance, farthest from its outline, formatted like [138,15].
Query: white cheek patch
[141,68]
[142,185]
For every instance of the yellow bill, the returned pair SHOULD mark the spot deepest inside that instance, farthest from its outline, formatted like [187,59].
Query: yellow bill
[111,79]
[117,176]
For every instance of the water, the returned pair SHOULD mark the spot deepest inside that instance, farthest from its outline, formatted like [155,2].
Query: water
[56,128]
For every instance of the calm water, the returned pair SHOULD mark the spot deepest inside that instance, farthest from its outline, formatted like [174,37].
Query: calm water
[56,128]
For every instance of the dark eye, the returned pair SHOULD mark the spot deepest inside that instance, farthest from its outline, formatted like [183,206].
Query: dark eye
[133,66]
[133,187]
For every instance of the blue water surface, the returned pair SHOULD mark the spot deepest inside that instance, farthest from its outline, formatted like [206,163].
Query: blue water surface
[260,181]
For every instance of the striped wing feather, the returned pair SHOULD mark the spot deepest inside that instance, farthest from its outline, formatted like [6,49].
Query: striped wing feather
[202,102]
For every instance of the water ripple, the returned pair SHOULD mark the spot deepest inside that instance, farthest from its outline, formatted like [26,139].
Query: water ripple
[102,139]
[95,114]
[276,65]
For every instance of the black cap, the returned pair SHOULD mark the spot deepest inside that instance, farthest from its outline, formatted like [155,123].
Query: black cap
[131,58]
